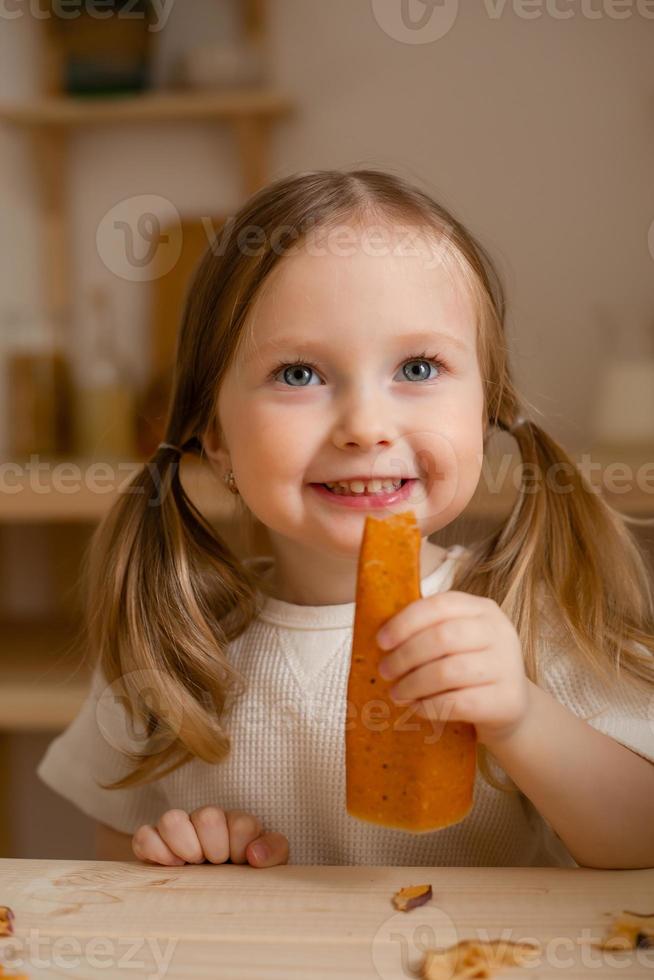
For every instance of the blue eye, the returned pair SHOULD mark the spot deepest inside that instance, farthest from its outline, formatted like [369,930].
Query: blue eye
[412,376]
[295,372]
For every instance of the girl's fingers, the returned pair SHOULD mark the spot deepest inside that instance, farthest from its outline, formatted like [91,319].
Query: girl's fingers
[148,846]
[460,670]
[275,844]
[209,833]
[179,834]
[244,828]
[429,610]
[440,640]
[468,704]
[210,825]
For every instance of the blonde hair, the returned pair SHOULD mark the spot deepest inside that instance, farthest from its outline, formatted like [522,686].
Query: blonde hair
[165,595]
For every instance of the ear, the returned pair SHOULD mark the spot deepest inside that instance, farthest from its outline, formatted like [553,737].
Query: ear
[214,449]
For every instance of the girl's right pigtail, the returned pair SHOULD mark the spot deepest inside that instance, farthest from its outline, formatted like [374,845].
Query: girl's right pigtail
[164,597]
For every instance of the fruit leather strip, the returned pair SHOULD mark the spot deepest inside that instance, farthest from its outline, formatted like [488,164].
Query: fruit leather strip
[402,771]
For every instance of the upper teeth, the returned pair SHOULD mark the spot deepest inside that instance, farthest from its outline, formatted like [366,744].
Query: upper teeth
[372,486]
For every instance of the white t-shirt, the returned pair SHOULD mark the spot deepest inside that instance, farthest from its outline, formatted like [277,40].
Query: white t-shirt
[287,761]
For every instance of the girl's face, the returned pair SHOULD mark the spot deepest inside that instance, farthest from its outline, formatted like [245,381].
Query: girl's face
[366,398]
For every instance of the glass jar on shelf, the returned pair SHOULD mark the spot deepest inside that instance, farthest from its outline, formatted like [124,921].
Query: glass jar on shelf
[105,404]
[38,388]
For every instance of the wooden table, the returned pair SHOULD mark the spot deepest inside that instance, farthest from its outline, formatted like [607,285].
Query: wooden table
[105,919]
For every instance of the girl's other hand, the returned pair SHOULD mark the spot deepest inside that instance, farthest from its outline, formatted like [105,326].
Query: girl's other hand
[209,834]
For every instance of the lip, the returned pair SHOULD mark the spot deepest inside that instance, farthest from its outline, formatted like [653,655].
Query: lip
[363,501]
[367,479]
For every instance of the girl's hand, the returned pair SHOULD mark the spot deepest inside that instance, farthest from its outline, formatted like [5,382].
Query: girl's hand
[209,834]
[460,657]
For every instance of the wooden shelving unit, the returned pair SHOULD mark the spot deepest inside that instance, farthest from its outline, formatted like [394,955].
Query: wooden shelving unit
[61,111]
[51,121]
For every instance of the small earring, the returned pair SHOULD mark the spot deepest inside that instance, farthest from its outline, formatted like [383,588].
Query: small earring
[230,482]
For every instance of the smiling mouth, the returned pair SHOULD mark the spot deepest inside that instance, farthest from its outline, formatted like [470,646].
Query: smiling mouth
[392,486]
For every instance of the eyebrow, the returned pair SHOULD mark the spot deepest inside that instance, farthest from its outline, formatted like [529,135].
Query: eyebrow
[399,340]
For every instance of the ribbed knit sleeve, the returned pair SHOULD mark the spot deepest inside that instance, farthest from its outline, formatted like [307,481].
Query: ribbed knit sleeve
[614,707]
[92,751]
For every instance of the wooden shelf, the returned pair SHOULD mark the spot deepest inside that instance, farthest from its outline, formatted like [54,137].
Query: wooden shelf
[43,683]
[66,111]
[80,491]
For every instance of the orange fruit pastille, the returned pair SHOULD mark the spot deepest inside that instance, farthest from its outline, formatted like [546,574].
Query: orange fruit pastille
[402,771]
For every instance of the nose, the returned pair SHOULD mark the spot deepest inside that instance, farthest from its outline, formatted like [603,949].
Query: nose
[364,422]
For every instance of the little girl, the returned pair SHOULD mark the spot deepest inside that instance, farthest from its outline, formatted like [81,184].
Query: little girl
[342,354]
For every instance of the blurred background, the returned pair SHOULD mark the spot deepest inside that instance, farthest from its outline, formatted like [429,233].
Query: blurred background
[131,130]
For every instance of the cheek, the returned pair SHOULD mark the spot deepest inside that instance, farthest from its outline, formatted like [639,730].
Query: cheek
[451,465]
[273,445]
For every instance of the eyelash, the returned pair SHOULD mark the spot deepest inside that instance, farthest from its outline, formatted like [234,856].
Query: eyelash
[305,362]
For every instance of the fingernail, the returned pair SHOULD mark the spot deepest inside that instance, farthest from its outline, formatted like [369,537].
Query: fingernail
[385,670]
[383,639]
[260,852]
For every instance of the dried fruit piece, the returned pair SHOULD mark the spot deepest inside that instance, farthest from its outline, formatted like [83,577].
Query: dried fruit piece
[472,958]
[629,930]
[412,897]
[6,921]
[405,771]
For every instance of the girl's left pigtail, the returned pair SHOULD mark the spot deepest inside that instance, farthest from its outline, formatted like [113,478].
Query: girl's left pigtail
[564,552]
[566,544]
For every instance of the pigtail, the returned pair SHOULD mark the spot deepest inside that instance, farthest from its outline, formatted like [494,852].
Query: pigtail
[169,595]
[564,544]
